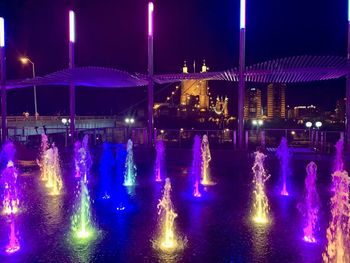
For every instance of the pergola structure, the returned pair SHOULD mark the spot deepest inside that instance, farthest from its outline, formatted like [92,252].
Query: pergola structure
[286,70]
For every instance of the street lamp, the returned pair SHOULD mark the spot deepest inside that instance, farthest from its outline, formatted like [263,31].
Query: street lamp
[129,121]
[66,123]
[309,125]
[25,61]
[318,124]
[257,123]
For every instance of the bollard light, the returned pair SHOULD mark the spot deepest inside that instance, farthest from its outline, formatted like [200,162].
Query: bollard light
[308,124]
[318,124]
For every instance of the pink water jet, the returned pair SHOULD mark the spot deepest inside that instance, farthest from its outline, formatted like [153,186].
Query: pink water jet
[338,160]
[13,245]
[310,206]
[283,155]
[338,231]
[160,158]
[196,166]
[9,181]
[83,160]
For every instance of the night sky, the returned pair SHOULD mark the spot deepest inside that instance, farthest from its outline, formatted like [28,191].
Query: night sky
[113,33]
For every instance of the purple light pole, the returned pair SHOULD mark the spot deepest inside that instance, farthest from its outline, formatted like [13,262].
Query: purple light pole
[241,80]
[71,66]
[348,88]
[2,81]
[150,87]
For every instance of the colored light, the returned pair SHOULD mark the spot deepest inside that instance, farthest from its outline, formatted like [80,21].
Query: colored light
[2,32]
[168,240]
[130,168]
[349,10]
[242,17]
[261,205]
[71,26]
[318,124]
[150,19]
[24,60]
[308,124]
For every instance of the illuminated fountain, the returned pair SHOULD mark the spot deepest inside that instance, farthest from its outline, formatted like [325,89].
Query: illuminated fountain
[310,206]
[56,175]
[13,244]
[338,160]
[82,226]
[42,161]
[83,159]
[283,155]
[338,231]
[49,162]
[167,240]
[77,146]
[120,195]
[261,204]
[338,164]
[159,165]
[106,169]
[9,179]
[206,158]
[196,166]
[130,168]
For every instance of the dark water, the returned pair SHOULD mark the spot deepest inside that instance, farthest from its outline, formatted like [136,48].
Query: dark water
[217,227]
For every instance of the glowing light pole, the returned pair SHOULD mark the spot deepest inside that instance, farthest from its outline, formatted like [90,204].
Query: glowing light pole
[2,81]
[25,61]
[241,81]
[150,72]
[71,66]
[348,88]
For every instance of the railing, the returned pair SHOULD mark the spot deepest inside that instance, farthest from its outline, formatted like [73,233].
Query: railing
[313,140]
[55,118]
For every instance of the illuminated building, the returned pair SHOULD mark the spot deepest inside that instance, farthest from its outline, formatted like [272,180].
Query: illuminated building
[340,110]
[276,101]
[194,93]
[305,112]
[252,104]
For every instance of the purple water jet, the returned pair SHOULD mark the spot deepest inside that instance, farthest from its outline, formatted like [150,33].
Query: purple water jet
[13,244]
[338,231]
[206,158]
[310,206]
[283,155]
[9,182]
[196,166]
[83,159]
[159,169]
[338,160]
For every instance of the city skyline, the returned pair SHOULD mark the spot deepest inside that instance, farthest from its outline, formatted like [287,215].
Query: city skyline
[112,37]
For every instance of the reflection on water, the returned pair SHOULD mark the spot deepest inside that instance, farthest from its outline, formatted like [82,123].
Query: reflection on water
[13,244]
[260,242]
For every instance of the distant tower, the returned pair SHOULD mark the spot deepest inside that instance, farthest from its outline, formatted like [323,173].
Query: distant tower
[221,106]
[195,92]
[252,104]
[276,101]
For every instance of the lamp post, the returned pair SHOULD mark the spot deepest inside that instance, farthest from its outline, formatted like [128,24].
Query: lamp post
[309,125]
[128,121]
[150,87]
[241,80]
[25,61]
[66,123]
[71,66]
[2,82]
[258,124]
[347,123]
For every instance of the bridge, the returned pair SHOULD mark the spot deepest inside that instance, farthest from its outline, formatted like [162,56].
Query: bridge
[284,70]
